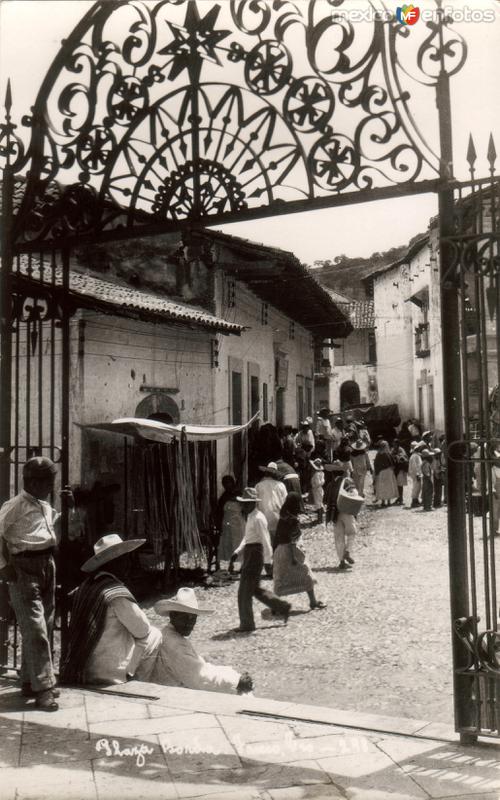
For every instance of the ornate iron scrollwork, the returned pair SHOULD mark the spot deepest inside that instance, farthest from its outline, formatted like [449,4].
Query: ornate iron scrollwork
[483,648]
[182,110]
[33,309]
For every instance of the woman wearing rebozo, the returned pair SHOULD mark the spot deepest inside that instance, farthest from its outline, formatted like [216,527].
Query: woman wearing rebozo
[291,572]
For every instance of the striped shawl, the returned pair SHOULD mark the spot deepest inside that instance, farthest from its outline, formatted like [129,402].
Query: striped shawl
[88,616]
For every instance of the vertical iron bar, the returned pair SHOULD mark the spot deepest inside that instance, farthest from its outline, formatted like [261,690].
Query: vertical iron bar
[467,418]
[17,359]
[5,381]
[28,376]
[65,367]
[457,541]
[52,360]
[194,80]
[62,578]
[482,357]
[40,370]
[6,332]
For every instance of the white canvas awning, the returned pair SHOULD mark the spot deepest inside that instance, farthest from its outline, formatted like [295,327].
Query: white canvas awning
[164,433]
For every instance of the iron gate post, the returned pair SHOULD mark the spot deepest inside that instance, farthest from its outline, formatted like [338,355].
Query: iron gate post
[6,332]
[453,411]
[5,379]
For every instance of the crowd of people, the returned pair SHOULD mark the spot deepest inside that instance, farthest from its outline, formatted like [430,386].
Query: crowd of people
[321,468]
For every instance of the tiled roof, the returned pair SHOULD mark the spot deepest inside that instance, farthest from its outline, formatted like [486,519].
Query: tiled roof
[341,299]
[123,298]
[278,278]
[361,314]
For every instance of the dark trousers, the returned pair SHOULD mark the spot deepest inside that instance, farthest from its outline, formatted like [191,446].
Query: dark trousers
[427,491]
[253,561]
[33,599]
[438,492]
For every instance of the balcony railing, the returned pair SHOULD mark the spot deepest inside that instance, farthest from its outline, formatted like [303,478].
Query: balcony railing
[422,346]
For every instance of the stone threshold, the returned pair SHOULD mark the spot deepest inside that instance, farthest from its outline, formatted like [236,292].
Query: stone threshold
[282,711]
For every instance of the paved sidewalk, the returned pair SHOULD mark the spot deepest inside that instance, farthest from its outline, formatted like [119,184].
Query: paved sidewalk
[177,743]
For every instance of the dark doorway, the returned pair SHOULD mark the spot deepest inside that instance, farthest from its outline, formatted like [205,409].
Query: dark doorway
[349,395]
[162,417]
[280,408]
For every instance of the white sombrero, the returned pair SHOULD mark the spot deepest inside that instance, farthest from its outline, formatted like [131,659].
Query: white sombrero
[271,469]
[185,601]
[108,548]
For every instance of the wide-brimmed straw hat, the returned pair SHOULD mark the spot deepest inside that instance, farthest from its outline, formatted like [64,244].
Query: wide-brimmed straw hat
[108,548]
[271,469]
[417,446]
[249,495]
[317,464]
[359,445]
[184,601]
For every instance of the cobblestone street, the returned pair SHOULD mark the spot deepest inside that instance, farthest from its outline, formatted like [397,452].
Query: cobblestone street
[383,643]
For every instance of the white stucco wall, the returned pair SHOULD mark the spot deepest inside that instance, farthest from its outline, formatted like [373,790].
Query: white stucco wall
[112,357]
[254,352]
[394,341]
[429,371]
[360,374]
[400,371]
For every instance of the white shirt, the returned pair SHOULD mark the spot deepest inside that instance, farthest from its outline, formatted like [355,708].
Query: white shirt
[27,524]
[257,532]
[305,437]
[337,434]
[127,638]
[415,466]
[272,494]
[178,664]
[323,428]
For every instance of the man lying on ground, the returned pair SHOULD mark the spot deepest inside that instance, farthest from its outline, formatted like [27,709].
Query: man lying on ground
[111,639]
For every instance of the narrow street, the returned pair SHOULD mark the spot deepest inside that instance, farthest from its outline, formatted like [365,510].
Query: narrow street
[383,643]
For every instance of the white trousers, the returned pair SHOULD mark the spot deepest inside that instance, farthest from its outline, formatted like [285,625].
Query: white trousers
[345,531]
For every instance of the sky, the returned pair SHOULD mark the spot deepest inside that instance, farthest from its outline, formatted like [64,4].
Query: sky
[30,36]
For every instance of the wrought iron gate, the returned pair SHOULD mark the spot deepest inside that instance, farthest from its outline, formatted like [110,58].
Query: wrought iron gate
[472,274]
[196,113]
[39,388]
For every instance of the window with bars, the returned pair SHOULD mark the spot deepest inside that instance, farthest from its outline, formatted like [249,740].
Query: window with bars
[214,353]
[230,293]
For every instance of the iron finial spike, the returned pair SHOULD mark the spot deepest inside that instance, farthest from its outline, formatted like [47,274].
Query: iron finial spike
[471,152]
[492,153]
[8,97]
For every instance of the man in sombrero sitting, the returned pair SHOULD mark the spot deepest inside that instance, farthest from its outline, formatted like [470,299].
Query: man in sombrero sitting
[178,664]
[109,635]
[111,639]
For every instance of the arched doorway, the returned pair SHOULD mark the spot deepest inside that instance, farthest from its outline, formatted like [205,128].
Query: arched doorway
[160,407]
[349,395]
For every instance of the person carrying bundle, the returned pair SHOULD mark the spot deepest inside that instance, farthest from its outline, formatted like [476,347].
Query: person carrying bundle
[342,507]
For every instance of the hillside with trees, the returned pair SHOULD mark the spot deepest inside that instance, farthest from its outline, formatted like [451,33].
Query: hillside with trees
[344,274]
